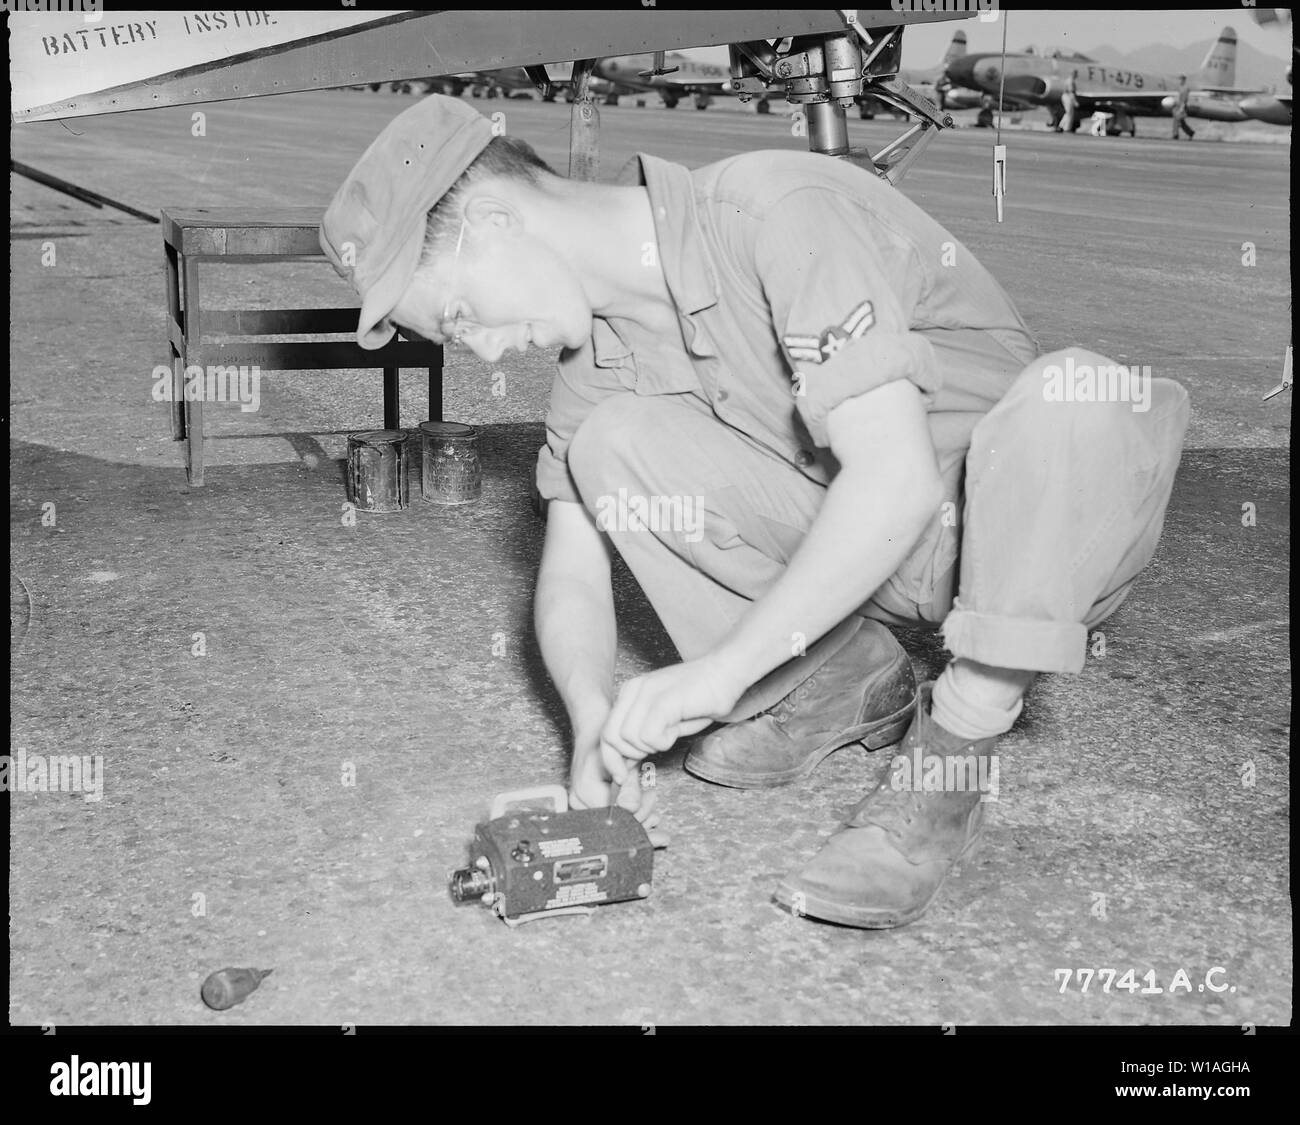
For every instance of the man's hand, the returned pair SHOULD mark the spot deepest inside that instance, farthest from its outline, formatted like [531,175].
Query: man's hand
[600,778]
[596,778]
[654,711]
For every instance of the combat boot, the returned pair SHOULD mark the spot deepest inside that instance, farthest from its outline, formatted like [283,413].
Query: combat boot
[887,863]
[864,693]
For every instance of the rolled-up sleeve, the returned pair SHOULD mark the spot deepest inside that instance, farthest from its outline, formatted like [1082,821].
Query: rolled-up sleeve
[842,289]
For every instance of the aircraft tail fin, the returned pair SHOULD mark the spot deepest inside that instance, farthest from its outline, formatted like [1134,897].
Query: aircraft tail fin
[1219,70]
[956,49]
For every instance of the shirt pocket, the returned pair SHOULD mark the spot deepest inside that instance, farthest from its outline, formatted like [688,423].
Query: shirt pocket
[663,367]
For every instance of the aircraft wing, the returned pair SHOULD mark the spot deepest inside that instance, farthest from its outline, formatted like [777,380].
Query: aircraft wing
[695,85]
[689,77]
[1145,103]
[1206,102]
[1144,97]
[73,64]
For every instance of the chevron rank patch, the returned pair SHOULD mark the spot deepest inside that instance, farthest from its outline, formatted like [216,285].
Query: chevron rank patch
[818,349]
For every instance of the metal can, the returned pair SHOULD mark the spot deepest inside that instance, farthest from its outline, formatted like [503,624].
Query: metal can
[452,473]
[378,475]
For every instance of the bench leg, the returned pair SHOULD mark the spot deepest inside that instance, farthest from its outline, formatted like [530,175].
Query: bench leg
[392,403]
[177,408]
[192,406]
[435,386]
[194,442]
[178,395]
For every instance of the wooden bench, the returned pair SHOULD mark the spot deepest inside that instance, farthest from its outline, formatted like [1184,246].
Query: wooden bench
[228,337]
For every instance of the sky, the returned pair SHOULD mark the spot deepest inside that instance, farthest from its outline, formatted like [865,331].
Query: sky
[1078,30]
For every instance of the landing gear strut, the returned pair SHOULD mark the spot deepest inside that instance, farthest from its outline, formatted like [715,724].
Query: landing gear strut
[826,74]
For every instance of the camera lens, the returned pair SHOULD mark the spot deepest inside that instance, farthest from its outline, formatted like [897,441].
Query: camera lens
[470,883]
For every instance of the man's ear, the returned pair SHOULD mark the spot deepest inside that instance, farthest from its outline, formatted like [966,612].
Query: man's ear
[491,211]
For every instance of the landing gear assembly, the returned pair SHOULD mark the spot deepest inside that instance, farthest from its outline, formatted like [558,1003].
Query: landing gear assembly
[828,73]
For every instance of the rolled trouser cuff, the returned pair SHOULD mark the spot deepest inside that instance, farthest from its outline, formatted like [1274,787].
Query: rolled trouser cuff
[1016,642]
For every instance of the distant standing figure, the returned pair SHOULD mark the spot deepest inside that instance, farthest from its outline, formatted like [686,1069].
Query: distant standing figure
[1180,109]
[1070,102]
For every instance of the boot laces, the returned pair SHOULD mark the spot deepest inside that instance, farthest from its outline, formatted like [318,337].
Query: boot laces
[783,710]
[894,810]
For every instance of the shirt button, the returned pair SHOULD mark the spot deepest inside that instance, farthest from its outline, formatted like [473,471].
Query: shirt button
[803,458]
[722,396]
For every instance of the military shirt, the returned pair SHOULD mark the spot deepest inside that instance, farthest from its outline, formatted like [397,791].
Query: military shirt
[799,281]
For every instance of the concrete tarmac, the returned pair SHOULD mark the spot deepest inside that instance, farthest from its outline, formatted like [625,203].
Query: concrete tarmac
[1142,821]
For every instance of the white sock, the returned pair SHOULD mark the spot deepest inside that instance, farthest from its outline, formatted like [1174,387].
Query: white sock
[974,700]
